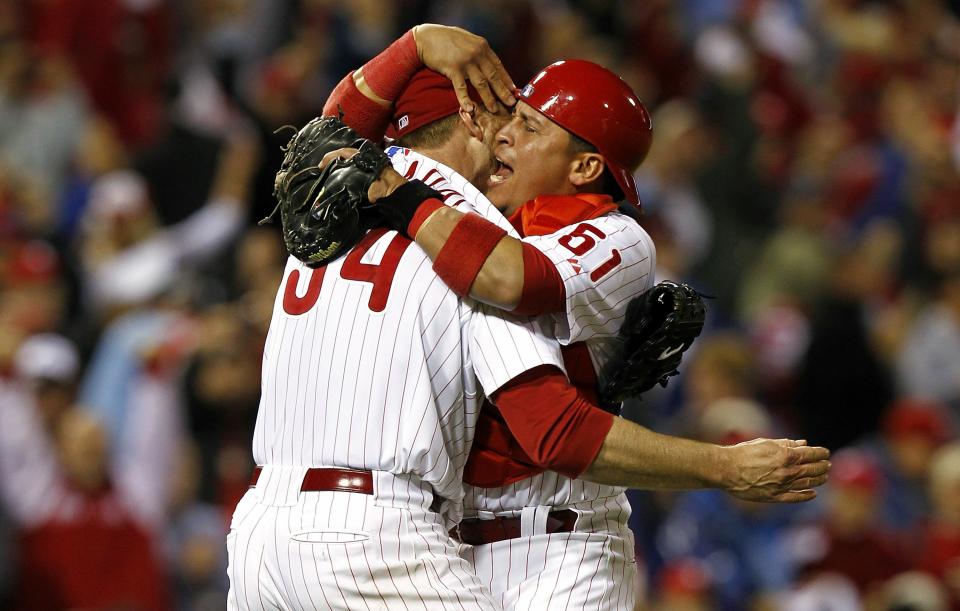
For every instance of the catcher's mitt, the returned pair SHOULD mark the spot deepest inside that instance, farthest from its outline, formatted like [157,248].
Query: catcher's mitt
[659,327]
[325,213]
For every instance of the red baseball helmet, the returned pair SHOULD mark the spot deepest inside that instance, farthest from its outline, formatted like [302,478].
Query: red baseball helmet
[588,100]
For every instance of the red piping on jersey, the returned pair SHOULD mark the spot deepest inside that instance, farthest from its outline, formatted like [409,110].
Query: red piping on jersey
[465,251]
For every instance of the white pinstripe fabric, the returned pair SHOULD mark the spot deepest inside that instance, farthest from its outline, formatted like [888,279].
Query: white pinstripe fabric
[340,550]
[588,571]
[393,391]
[593,567]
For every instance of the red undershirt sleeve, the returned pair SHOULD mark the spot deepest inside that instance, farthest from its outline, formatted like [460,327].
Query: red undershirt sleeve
[365,116]
[386,75]
[552,422]
[543,288]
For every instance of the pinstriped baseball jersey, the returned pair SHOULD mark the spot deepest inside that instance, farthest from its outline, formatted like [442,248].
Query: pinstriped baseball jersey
[370,362]
[604,263]
[597,297]
[455,189]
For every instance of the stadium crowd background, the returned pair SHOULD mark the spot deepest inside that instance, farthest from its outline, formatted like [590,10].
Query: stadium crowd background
[805,171]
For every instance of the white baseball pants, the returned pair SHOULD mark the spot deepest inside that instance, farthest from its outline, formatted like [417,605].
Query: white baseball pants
[343,550]
[593,567]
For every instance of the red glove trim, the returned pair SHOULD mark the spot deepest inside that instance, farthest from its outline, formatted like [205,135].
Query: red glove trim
[390,71]
[556,427]
[543,288]
[426,209]
[365,116]
[463,254]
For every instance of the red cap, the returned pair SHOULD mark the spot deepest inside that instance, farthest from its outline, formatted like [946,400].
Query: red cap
[911,417]
[855,469]
[428,97]
[595,104]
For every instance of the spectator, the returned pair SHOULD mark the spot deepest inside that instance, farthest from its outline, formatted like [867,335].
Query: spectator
[940,545]
[193,542]
[929,365]
[913,430]
[850,529]
[89,550]
[129,260]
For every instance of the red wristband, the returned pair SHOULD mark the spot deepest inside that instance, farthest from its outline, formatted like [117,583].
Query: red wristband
[365,116]
[420,217]
[390,71]
[465,251]
[543,288]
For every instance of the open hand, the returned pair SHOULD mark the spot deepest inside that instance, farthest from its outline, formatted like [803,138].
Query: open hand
[776,470]
[462,56]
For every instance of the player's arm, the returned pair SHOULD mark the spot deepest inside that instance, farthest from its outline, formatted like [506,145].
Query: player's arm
[470,254]
[521,369]
[366,96]
[562,431]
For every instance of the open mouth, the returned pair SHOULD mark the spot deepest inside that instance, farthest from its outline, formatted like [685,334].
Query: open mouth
[502,172]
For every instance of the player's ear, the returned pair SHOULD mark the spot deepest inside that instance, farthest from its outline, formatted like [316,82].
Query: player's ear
[473,126]
[586,168]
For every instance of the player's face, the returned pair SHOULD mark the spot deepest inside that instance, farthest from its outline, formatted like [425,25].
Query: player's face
[534,157]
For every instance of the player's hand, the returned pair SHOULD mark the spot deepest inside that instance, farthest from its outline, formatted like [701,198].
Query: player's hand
[462,56]
[389,179]
[776,470]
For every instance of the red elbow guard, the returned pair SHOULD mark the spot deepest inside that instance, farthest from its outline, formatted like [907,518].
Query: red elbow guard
[465,251]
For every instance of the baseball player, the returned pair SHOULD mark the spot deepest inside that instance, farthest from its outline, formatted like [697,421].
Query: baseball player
[541,527]
[367,412]
[368,409]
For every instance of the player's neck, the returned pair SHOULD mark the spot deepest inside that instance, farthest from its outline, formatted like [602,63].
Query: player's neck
[454,155]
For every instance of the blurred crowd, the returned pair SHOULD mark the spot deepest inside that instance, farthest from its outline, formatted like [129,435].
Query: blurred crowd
[805,172]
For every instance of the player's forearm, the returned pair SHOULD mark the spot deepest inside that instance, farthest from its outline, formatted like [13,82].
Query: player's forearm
[637,457]
[365,97]
[500,281]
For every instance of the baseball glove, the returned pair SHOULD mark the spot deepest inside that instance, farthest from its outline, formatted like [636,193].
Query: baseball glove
[325,213]
[659,327]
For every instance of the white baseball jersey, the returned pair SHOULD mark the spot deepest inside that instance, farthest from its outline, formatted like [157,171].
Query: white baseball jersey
[604,263]
[371,362]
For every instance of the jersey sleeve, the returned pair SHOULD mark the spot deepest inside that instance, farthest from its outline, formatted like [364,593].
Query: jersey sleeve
[503,346]
[604,263]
